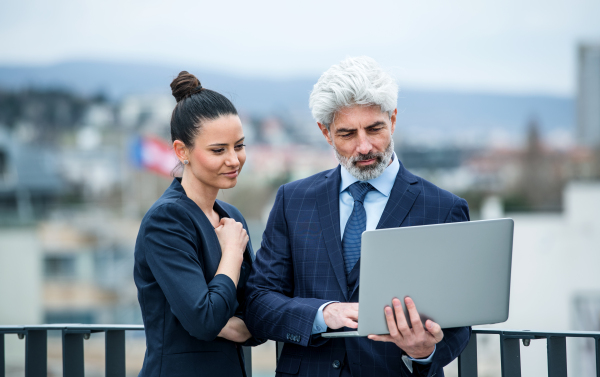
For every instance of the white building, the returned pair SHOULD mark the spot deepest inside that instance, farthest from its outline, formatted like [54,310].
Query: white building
[555,284]
[588,95]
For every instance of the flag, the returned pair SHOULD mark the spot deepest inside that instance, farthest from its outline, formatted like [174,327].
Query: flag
[154,154]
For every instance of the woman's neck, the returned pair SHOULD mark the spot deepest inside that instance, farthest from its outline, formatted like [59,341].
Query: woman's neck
[204,196]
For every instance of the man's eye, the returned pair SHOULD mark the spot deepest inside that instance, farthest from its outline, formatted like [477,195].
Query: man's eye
[346,135]
[376,129]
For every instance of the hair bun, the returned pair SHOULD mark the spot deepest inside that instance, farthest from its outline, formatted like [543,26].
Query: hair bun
[184,85]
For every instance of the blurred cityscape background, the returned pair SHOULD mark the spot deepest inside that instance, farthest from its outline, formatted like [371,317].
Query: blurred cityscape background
[85,151]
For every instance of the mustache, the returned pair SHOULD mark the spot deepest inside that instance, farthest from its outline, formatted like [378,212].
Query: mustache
[368,156]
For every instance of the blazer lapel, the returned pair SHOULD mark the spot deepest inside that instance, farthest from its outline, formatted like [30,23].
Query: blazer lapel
[223,213]
[403,196]
[328,204]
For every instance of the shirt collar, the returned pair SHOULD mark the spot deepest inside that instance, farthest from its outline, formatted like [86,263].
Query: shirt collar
[383,183]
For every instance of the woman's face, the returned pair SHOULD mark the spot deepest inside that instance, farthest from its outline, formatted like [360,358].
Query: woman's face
[219,152]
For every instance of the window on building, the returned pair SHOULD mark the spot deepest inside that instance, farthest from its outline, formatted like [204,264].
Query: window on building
[60,266]
[3,164]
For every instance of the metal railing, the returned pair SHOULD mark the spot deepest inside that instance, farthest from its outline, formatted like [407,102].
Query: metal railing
[73,335]
[510,351]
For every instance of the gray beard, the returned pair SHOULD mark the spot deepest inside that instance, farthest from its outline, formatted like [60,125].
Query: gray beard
[365,173]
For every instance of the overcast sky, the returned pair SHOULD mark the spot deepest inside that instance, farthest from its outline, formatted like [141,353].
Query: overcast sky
[507,45]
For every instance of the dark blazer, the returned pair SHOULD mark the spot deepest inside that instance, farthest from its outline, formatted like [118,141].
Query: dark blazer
[300,266]
[184,305]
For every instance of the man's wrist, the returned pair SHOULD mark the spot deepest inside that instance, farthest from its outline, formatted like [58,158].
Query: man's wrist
[426,359]
[319,324]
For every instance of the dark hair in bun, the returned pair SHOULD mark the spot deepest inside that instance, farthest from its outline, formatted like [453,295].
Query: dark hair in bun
[195,104]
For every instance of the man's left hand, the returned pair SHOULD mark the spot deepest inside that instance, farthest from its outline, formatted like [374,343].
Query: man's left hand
[418,342]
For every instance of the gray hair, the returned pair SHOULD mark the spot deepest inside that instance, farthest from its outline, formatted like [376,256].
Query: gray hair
[355,81]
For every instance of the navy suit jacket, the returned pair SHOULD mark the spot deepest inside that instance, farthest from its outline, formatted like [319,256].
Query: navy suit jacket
[300,266]
[184,305]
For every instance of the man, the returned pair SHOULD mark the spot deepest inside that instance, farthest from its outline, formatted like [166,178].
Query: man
[305,277]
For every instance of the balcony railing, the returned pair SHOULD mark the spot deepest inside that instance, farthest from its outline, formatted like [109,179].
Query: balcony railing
[73,335]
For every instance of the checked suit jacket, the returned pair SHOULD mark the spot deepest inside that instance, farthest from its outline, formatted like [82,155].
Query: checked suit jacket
[300,266]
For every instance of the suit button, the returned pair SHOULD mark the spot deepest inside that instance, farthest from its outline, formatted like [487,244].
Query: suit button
[336,364]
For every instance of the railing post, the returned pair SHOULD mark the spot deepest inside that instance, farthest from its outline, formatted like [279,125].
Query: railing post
[72,354]
[248,360]
[278,349]
[510,357]
[114,346]
[597,342]
[2,362]
[557,356]
[467,360]
[36,353]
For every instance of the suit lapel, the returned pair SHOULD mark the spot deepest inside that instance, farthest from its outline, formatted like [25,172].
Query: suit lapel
[403,196]
[328,204]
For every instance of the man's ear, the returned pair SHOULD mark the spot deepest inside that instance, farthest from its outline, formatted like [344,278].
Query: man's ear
[325,132]
[180,150]
[393,120]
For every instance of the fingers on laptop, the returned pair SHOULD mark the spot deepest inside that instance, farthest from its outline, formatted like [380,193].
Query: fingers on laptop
[415,318]
[435,330]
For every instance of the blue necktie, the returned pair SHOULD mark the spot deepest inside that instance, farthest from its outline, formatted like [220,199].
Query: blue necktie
[356,225]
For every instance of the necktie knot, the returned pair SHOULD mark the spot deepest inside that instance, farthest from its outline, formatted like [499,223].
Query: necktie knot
[359,190]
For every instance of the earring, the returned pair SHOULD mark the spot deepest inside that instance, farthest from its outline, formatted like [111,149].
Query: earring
[185,162]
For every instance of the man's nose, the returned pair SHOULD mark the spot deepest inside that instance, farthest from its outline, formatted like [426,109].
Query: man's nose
[364,145]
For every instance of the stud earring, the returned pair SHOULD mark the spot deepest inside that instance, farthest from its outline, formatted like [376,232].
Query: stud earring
[185,162]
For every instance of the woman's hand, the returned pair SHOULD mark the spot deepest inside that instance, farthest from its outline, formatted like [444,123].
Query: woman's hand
[232,237]
[235,330]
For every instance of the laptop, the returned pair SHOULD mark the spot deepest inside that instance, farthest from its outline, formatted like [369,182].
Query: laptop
[458,274]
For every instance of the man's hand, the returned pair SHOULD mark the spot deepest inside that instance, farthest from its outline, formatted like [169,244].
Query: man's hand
[340,314]
[418,342]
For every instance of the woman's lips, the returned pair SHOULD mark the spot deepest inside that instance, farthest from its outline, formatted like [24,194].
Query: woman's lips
[231,174]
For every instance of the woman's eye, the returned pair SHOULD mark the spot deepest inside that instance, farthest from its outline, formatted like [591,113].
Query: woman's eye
[220,150]
[240,146]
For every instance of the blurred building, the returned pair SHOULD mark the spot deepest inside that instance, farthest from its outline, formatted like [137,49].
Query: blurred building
[87,265]
[554,283]
[588,95]
[29,180]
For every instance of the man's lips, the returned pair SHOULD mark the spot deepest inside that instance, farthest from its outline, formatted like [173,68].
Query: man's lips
[231,174]
[366,162]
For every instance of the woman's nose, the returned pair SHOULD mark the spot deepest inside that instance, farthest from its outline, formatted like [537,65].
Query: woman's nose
[232,159]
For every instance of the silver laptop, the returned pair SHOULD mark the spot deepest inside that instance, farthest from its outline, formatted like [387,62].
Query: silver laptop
[458,274]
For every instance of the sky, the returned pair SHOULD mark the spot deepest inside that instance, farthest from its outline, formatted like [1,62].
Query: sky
[510,46]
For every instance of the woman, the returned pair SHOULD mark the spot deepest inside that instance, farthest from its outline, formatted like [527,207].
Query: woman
[192,254]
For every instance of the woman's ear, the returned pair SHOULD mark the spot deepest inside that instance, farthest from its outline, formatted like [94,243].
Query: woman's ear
[180,150]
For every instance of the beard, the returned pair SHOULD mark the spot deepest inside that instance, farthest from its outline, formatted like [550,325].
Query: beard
[365,173]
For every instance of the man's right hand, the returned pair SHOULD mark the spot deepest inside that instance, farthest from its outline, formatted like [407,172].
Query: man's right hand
[340,314]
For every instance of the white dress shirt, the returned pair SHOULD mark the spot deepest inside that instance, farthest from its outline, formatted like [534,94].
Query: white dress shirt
[374,204]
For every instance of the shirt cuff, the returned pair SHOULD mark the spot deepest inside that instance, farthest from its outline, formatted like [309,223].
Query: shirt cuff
[319,325]
[426,360]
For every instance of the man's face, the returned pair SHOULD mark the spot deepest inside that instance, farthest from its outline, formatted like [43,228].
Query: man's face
[362,139]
